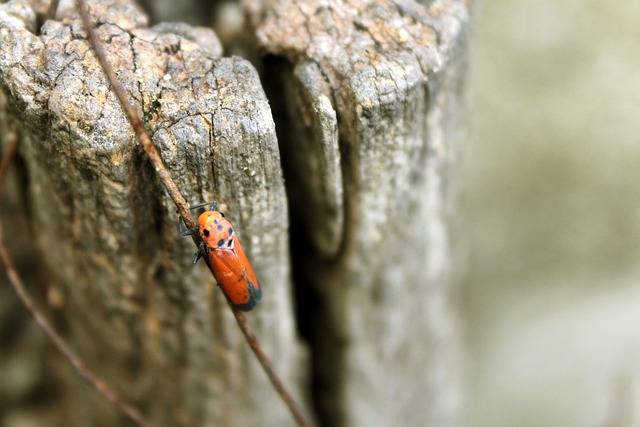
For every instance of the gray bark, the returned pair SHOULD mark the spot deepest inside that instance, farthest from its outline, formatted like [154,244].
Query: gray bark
[137,310]
[368,99]
[369,138]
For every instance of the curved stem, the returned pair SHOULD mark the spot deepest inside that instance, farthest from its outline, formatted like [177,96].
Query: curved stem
[277,383]
[132,116]
[53,8]
[80,366]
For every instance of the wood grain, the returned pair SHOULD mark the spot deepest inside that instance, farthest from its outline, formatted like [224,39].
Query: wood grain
[154,325]
[370,136]
[368,100]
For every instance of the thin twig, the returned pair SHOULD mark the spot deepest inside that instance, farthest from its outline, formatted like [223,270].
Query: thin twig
[136,123]
[53,8]
[277,383]
[183,207]
[14,278]
[6,160]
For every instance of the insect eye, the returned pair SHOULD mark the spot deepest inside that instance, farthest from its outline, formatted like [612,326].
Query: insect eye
[205,232]
[220,242]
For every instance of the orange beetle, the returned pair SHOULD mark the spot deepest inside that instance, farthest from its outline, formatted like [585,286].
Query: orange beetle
[230,265]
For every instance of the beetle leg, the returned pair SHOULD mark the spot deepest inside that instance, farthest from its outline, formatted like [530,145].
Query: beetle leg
[182,228]
[201,252]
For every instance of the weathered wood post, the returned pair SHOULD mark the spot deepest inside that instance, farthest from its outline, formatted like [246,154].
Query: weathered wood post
[368,101]
[137,310]
[370,131]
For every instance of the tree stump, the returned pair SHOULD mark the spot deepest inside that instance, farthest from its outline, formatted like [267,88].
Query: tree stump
[368,100]
[374,109]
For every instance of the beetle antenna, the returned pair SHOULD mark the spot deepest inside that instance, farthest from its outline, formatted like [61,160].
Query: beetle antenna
[214,206]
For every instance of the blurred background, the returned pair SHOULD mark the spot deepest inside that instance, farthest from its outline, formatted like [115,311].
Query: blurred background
[551,204]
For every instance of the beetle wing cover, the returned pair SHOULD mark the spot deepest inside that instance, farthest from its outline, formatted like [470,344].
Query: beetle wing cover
[235,276]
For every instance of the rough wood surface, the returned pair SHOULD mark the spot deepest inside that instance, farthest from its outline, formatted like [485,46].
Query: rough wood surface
[137,310]
[368,101]
[369,140]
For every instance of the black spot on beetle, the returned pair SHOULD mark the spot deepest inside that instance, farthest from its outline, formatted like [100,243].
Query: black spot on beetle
[230,231]
[205,232]
[229,242]
[221,242]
